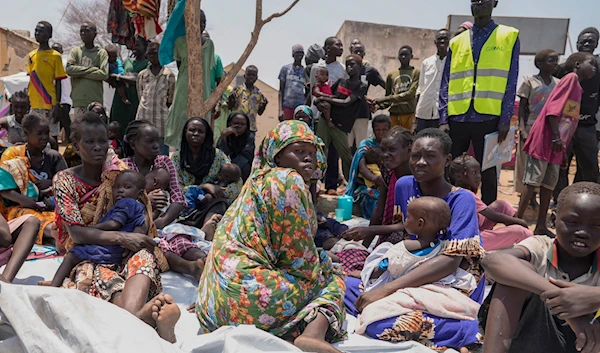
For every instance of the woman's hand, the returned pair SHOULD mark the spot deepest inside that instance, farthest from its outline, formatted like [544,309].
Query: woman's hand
[571,300]
[158,199]
[214,190]
[378,181]
[369,297]
[229,131]
[136,242]
[357,234]
[31,203]
[43,184]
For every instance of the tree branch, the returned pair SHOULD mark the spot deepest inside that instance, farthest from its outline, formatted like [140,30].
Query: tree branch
[216,95]
[279,14]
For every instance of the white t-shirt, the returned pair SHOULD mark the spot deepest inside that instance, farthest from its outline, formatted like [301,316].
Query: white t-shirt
[65,92]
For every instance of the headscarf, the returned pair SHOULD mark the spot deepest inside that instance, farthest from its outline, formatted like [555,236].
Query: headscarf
[200,166]
[315,53]
[98,105]
[175,29]
[298,48]
[283,135]
[237,143]
[306,109]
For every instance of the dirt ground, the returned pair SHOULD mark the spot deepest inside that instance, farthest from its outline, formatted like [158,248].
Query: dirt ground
[506,192]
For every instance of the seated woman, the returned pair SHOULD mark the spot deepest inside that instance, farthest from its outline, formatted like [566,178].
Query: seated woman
[547,290]
[264,268]
[395,146]
[367,197]
[237,142]
[71,156]
[16,240]
[429,158]
[26,176]
[305,114]
[199,163]
[142,148]
[83,197]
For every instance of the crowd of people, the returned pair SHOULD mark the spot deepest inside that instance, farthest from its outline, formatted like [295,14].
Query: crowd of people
[147,189]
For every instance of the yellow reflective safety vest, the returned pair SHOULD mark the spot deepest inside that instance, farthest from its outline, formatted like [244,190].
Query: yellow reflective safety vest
[485,83]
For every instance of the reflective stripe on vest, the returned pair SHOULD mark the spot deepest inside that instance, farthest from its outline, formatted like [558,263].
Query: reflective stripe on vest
[483,86]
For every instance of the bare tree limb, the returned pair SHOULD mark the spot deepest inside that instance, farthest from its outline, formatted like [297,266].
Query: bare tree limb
[216,95]
[279,14]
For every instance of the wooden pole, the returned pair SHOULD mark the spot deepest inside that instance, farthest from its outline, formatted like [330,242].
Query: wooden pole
[193,40]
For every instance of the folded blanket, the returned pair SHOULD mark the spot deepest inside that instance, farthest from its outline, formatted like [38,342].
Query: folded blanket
[438,300]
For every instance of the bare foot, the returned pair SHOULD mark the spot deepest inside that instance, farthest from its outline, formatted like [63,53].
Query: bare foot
[191,308]
[166,316]
[198,268]
[145,313]
[2,279]
[544,231]
[45,283]
[464,350]
[310,344]
[210,226]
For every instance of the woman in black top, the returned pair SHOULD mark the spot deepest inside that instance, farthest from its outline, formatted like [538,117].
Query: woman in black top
[237,142]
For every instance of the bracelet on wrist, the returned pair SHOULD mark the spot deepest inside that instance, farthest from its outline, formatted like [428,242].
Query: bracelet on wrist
[556,140]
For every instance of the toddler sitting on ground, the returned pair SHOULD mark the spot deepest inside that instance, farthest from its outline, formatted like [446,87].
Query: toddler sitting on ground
[426,218]
[127,215]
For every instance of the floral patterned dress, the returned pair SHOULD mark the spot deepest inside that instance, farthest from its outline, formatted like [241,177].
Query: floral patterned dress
[78,203]
[186,179]
[264,268]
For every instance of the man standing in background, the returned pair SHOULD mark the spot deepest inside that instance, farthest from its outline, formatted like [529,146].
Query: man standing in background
[66,102]
[88,68]
[46,71]
[479,85]
[428,92]
[291,85]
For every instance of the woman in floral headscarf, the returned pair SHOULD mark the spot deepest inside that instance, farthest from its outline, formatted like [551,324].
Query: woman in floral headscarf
[267,267]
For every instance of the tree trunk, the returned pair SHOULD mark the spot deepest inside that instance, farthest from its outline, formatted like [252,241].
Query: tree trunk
[193,40]
[196,104]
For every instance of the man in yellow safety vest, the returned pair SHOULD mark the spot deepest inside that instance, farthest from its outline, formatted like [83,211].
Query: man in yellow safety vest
[477,93]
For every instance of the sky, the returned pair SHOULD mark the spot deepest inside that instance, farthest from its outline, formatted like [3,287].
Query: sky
[230,22]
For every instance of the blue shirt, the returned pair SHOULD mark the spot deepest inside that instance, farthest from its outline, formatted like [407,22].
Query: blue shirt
[478,38]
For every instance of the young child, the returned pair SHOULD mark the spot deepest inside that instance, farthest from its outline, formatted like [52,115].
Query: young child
[46,71]
[546,294]
[228,174]
[551,133]
[533,93]
[465,172]
[115,69]
[127,215]
[114,132]
[248,98]
[159,179]
[373,159]
[13,123]
[400,91]
[323,89]
[426,218]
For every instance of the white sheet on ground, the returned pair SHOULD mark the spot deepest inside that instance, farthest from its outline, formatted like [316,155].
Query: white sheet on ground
[87,318]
